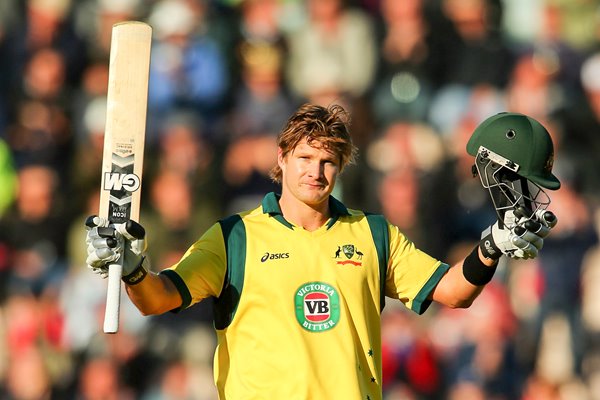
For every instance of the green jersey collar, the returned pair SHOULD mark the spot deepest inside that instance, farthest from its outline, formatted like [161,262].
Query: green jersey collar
[270,205]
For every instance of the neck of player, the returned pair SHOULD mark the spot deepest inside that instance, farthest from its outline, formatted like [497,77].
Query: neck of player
[307,216]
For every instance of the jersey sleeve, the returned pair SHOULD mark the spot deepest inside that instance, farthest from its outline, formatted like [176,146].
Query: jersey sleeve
[201,271]
[411,273]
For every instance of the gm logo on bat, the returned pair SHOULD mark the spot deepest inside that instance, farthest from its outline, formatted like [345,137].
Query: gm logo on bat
[117,181]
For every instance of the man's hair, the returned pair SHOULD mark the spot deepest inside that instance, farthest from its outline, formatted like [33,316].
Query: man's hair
[325,127]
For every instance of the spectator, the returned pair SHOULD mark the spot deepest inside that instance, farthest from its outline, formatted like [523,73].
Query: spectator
[477,45]
[28,377]
[578,123]
[99,380]
[34,232]
[46,24]
[409,157]
[334,51]
[261,102]
[260,108]
[186,149]
[561,296]
[532,88]
[41,130]
[410,56]
[93,20]
[177,224]
[188,70]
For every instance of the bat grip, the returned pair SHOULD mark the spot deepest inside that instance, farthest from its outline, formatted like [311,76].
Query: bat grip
[113,298]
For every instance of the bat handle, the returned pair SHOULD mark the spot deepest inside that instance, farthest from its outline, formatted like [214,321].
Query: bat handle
[113,298]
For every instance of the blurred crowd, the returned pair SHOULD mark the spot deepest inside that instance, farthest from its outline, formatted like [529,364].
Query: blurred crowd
[416,75]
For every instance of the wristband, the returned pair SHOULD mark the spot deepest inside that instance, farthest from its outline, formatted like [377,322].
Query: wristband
[475,271]
[137,275]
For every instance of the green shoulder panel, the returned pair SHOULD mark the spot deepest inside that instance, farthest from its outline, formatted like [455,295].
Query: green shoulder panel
[234,235]
[381,238]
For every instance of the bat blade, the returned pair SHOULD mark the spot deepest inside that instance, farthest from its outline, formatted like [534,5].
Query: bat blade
[123,157]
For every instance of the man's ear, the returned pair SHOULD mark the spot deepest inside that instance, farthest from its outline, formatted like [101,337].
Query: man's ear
[280,157]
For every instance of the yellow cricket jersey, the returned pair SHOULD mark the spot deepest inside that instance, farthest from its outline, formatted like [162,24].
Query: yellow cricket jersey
[297,313]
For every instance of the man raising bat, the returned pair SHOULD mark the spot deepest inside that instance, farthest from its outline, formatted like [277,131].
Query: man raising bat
[299,282]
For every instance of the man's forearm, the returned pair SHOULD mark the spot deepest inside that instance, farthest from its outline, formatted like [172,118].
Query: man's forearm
[459,288]
[155,294]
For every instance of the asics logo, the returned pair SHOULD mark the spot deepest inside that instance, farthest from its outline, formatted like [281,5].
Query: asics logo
[274,256]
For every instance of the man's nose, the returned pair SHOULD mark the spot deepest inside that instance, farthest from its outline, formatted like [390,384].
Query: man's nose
[315,169]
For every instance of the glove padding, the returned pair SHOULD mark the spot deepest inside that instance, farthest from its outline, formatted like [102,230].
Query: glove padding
[520,236]
[109,243]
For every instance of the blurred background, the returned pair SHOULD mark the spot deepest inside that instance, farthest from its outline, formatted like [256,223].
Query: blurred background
[417,77]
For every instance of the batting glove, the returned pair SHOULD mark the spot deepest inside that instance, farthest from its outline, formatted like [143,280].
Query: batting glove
[109,243]
[520,236]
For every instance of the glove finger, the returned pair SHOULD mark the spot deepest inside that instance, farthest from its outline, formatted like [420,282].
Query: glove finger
[536,228]
[547,218]
[526,239]
[526,234]
[101,257]
[91,235]
[135,234]
[523,243]
[102,243]
[523,212]
[138,246]
[131,230]
[94,221]
[101,232]
[543,232]
[531,237]
[529,252]
[532,225]
[102,250]
[89,222]
[519,242]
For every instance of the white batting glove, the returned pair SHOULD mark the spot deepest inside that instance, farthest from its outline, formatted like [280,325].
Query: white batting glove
[521,237]
[109,243]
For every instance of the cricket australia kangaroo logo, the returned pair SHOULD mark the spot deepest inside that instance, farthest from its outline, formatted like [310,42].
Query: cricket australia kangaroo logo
[317,306]
[352,254]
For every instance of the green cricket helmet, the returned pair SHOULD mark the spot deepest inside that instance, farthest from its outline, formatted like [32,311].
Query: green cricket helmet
[521,140]
[514,156]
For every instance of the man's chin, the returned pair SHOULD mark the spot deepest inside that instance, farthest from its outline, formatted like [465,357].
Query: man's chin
[315,197]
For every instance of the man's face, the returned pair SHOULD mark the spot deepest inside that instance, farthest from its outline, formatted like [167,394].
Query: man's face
[309,173]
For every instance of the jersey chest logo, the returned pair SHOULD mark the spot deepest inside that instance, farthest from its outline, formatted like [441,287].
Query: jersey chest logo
[317,306]
[352,255]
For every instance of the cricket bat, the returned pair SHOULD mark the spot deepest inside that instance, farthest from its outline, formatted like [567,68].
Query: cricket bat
[123,157]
